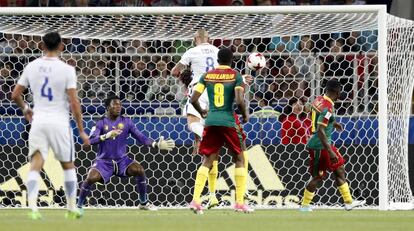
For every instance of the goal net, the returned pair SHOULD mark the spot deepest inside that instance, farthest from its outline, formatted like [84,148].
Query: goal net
[132,54]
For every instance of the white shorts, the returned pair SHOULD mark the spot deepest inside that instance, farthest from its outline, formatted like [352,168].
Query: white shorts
[58,137]
[189,108]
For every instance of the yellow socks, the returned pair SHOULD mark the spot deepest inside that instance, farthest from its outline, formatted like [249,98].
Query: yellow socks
[212,177]
[307,197]
[246,162]
[240,177]
[346,194]
[200,182]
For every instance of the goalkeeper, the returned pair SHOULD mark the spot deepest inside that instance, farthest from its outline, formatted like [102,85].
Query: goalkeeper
[111,133]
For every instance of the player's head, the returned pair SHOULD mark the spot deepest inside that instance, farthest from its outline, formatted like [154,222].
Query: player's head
[52,41]
[333,89]
[225,56]
[201,36]
[113,105]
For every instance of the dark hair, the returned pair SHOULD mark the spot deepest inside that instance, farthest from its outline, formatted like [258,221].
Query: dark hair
[109,99]
[52,40]
[225,56]
[333,85]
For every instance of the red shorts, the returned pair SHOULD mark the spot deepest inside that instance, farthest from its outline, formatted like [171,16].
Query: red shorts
[214,137]
[320,161]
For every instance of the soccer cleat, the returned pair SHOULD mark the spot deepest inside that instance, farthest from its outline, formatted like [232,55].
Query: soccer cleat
[35,215]
[212,202]
[75,214]
[243,208]
[306,208]
[196,207]
[354,204]
[81,211]
[148,207]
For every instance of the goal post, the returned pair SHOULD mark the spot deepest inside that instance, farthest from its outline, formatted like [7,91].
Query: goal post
[129,50]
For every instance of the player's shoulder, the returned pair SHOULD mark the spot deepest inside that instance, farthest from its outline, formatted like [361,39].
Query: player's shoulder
[321,104]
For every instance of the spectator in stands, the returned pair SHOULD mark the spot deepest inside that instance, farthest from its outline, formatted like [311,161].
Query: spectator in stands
[295,123]
[161,86]
[285,44]
[135,46]
[7,45]
[34,44]
[6,81]
[42,3]
[338,64]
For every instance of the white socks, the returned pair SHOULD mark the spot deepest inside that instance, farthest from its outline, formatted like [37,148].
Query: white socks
[33,189]
[71,183]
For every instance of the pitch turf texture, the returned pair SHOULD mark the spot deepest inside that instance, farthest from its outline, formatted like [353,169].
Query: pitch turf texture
[220,220]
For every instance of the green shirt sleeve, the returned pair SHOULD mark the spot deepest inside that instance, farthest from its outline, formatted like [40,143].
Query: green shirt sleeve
[239,81]
[324,117]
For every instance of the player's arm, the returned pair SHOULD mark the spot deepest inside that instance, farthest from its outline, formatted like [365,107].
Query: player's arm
[239,97]
[18,99]
[198,91]
[182,64]
[75,105]
[322,124]
[161,144]
[16,96]
[177,69]
[97,137]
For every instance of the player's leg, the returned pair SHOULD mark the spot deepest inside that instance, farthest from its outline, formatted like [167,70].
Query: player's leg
[136,170]
[36,165]
[38,151]
[200,181]
[343,187]
[71,187]
[62,144]
[317,168]
[209,147]
[245,155]
[233,137]
[93,177]
[212,184]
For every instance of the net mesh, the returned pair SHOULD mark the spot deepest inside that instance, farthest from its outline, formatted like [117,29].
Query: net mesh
[132,56]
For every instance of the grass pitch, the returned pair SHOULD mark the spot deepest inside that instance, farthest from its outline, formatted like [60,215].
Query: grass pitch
[220,220]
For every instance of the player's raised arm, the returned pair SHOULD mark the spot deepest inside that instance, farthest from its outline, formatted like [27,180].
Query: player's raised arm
[75,105]
[161,144]
[239,98]
[176,71]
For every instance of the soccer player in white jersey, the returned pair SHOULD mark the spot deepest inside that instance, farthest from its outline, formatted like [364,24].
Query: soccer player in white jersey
[53,85]
[201,58]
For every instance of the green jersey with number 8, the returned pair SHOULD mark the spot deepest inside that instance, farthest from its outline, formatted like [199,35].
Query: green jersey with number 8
[220,84]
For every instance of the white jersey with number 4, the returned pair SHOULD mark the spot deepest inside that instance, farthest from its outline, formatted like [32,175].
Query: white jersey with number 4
[201,58]
[48,79]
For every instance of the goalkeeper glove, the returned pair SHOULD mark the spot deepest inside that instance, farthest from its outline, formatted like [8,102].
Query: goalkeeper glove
[111,134]
[164,144]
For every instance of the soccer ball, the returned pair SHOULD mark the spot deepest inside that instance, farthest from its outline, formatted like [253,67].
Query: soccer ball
[256,61]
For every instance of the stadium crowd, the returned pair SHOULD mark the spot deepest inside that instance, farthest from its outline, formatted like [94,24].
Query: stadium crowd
[139,70]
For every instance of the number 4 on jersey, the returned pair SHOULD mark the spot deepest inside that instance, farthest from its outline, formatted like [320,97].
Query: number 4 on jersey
[49,90]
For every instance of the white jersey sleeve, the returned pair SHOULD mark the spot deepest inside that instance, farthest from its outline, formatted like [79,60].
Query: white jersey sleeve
[187,57]
[71,79]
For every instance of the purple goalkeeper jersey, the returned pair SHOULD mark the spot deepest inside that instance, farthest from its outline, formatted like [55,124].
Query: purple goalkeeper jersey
[115,148]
